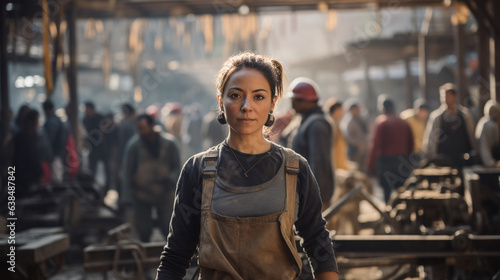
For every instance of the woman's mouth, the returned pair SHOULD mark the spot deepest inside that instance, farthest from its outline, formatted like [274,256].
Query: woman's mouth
[245,120]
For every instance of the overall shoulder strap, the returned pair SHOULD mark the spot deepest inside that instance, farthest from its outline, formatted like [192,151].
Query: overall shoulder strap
[291,162]
[291,170]
[209,165]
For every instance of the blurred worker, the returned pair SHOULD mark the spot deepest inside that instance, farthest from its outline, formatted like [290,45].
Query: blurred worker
[21,114]
[450,129]
[488,134]
[54,129]
[149,174]
[416,117]
[339,149]
[26,158]
[42,143]
[97,126]
[56,135]
[313,137]
[356,134]
[390,149]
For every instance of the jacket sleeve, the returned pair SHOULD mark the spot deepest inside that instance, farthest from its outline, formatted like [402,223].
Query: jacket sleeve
[471,127]
[486,136]
[319,137]
[431,136]
[411,140]
[375,148]
[184,227]
[310,224]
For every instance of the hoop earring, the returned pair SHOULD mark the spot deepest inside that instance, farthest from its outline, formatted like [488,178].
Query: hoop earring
[270,119]
[221,118]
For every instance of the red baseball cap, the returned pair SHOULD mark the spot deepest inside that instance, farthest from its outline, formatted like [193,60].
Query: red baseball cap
[303,88]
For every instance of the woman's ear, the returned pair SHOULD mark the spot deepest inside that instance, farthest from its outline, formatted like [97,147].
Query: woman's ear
[219,101]
[273,103]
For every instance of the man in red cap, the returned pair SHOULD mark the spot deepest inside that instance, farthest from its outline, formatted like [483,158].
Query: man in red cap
[313,137]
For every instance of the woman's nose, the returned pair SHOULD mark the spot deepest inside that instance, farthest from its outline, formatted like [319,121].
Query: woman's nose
[246,104]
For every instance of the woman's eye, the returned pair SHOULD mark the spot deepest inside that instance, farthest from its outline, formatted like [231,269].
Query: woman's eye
[234,95]
[259,97]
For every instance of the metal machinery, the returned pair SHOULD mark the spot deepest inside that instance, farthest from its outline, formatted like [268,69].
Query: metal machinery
[431,201]
[442,221]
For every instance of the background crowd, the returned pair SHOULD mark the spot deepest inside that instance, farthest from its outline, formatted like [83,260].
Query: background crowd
[131,149]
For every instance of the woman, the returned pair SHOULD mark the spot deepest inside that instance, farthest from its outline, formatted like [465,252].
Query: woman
[233,201]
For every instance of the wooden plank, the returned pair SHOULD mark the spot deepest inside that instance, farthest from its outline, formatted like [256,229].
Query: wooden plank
[415,245]
[101,266]
[25,237]
[44,248]
[117,233]
[100,257]
[435,172]
[481,170]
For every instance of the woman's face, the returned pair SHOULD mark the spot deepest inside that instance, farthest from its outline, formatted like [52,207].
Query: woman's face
[247,101]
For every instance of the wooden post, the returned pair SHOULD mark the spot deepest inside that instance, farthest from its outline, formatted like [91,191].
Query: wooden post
[4,81]
[56,48]
[408,83]
[484,66]
[495,55]
[71,73]
[422,66]
[371,100]
[463,91]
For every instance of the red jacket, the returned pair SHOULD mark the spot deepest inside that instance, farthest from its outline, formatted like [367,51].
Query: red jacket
[392,137]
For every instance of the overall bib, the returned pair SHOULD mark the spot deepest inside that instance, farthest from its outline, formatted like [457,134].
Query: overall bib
[252,247]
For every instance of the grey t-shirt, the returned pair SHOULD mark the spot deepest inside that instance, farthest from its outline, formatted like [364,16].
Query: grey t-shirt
[242,199]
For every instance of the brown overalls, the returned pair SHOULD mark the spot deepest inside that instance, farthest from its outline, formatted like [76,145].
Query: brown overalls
[248,248]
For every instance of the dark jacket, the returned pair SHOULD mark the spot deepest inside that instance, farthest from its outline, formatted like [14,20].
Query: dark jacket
[313,140]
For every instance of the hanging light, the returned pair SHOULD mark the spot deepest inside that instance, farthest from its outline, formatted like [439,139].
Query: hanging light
[244,10]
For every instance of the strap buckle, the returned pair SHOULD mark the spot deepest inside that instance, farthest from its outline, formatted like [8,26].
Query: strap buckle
[292,170]
[209,171]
